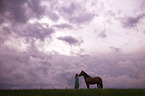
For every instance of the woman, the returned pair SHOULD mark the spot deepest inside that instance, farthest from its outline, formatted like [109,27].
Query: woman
[76,81]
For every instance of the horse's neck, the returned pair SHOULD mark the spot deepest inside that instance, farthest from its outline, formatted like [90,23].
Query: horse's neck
[86,76]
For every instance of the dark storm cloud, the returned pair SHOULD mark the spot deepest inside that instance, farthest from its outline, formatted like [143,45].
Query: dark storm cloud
[37,30]
[132,21]
[70,40]
[35,6]
[5,32]
[16,13]
[29,31]
[1,21]
[70,9]
[14,10]
[21,10]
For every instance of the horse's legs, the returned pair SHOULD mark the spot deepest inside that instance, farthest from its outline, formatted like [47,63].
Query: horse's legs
[101,85]
[88,86]
[98,85]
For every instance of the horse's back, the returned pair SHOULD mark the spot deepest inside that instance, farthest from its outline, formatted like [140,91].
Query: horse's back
[94,80]
[98,79]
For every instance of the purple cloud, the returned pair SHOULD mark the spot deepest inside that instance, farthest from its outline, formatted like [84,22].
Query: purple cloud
[82,18]
[53,16]
[35,6]
[21,10]
[102,34]
[37,31]
[70,40]
[63,26]
[74,15]
[35,69]
[70,10]
[15,9]
[30,31]
[142,5]
[132,21]
[115,50]
[16,13]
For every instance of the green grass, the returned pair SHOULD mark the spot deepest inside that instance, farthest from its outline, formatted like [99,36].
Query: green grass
[72,92]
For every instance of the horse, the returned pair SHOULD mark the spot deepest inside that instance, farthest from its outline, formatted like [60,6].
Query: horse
[92,80]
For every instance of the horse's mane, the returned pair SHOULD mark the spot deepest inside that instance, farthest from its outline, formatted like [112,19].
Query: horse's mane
[85,74]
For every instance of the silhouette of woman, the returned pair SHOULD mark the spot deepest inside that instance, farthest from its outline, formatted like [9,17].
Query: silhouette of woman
[76,81]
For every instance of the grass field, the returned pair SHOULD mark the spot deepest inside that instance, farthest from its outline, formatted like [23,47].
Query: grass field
[72,92]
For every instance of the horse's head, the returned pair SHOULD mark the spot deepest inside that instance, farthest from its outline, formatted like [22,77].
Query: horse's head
[82,73]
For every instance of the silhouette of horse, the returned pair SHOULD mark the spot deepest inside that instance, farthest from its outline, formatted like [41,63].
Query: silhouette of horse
[92,80]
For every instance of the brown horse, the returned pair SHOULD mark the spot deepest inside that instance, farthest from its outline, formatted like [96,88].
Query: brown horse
[92,80]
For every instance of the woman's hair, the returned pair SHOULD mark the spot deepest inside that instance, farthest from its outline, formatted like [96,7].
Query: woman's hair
[76,75]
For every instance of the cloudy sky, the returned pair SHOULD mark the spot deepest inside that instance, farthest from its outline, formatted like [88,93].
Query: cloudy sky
[44,43]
